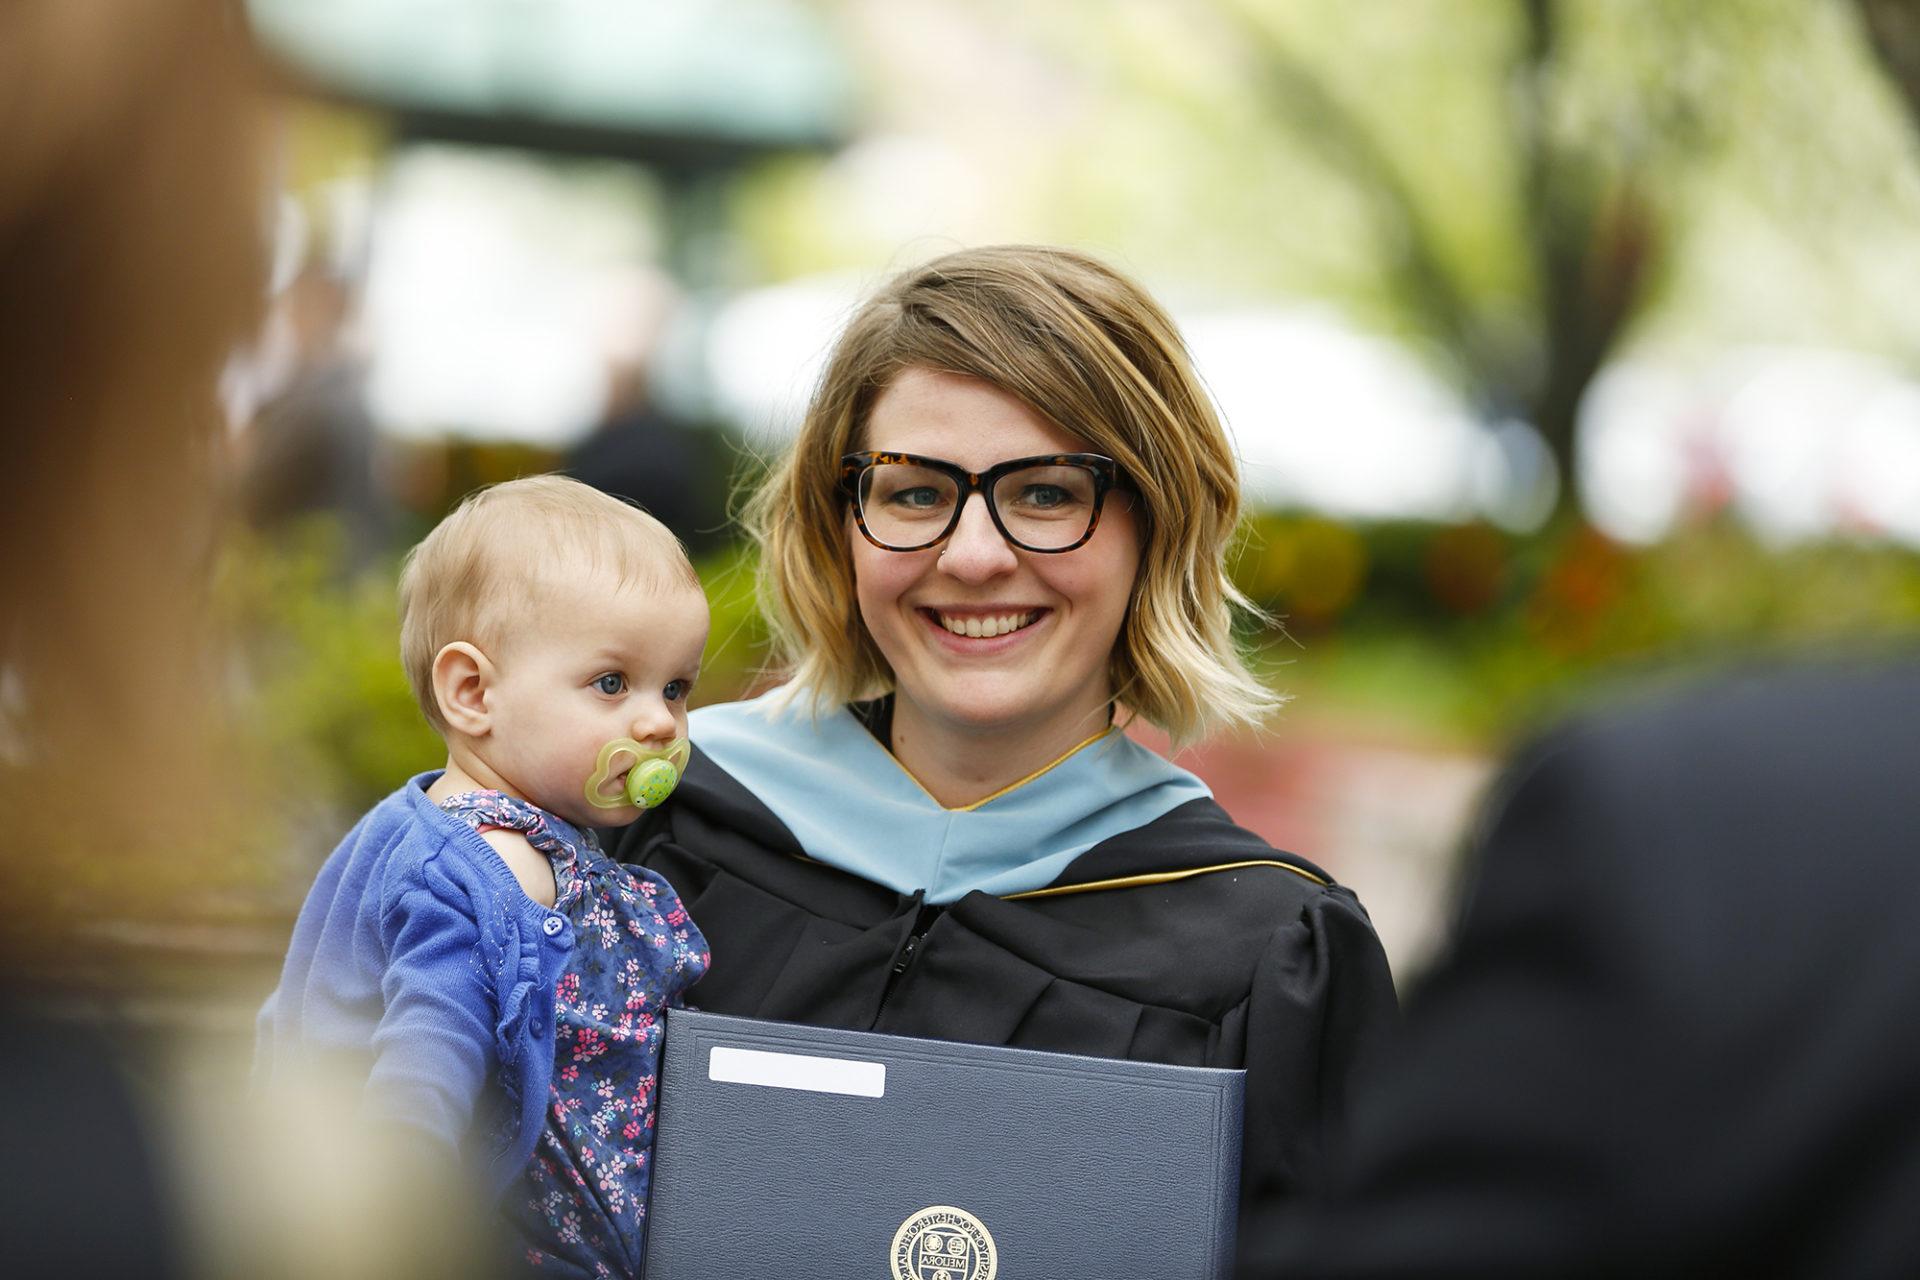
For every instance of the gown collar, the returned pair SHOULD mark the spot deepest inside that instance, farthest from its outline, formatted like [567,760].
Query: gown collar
[850,804]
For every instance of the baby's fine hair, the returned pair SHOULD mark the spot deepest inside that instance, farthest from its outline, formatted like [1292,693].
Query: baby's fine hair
[486,562]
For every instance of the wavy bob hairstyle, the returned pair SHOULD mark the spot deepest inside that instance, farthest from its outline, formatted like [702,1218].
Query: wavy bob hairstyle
[1087,349]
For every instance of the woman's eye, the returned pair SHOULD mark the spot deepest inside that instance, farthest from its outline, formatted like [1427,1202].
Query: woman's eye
[677,690]
[611,683]
[920,498]
[1044,496]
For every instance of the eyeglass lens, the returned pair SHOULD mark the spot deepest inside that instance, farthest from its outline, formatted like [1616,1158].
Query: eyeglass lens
[1041,507]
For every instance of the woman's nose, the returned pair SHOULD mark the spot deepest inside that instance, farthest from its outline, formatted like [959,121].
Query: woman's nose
[975,551]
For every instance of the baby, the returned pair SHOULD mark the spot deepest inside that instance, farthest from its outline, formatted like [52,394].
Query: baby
[468,947]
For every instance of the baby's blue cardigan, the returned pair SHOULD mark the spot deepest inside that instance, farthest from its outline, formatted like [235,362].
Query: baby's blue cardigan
[420,961]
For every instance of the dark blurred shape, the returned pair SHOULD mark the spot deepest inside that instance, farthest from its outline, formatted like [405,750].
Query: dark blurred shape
[674,470]
[1675,1034]
[1467,567]
[1893,31]
[83,1196]
[310,448]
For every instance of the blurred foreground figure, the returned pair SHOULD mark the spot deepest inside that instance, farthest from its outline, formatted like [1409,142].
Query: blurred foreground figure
[127,212]
[1677,1034]
[131,233]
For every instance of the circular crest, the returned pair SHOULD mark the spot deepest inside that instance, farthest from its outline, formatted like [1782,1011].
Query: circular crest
[941,1242]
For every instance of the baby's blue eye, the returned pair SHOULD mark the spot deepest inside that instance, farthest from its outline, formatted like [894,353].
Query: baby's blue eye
[677,690]
[611,683]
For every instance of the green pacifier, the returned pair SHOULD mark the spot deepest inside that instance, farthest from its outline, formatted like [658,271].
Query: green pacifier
[651,774]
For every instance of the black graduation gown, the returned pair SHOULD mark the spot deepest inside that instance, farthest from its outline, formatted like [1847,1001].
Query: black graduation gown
[1153,945]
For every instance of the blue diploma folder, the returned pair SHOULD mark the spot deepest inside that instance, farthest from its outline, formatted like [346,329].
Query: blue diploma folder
[795,1151]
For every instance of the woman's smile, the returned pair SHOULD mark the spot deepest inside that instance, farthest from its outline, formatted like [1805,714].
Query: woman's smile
[992,624]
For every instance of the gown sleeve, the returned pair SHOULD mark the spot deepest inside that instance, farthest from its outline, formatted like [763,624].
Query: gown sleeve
[1319,1013]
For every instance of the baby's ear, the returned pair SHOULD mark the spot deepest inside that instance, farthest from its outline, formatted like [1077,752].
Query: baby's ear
[461,676]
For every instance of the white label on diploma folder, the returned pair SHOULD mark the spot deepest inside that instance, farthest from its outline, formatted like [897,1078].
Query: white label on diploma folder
[797,1071]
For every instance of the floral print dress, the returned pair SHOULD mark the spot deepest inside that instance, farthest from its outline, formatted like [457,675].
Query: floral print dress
[580,1207]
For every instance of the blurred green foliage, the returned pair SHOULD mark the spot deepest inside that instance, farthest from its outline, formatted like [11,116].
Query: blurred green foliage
[322,701]
[322,709]
[1518,191]
[1466,631]
[1455,630]
[737,646]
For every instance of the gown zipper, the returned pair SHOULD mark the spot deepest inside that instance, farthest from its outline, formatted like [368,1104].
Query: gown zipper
[908,951]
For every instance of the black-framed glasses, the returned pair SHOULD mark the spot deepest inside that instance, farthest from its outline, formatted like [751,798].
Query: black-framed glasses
[1049,503]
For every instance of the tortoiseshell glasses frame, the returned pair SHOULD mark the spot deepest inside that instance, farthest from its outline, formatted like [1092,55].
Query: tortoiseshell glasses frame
[857,468]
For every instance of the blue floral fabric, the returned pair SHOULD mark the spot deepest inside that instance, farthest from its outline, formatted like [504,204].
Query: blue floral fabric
[580,1206]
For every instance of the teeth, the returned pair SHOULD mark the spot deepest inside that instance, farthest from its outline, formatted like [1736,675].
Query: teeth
[985,628]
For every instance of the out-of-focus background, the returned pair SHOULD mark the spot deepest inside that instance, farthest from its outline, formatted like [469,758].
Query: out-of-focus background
[1561,340]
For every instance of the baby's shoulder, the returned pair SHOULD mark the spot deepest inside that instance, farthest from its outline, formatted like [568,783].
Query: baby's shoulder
[443,882]
[412,847]
[530,867]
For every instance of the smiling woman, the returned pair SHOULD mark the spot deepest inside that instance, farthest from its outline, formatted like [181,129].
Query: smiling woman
[1000,536]
[999,654]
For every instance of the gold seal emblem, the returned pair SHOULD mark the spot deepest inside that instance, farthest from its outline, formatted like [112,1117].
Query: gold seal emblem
[944,1243]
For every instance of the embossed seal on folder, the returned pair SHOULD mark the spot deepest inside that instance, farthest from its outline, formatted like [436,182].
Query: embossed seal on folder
[944,1243]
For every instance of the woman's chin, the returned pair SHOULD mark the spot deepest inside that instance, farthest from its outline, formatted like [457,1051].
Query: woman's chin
[994,710]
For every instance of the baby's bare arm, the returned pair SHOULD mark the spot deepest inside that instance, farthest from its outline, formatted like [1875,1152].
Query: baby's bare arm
[529,866]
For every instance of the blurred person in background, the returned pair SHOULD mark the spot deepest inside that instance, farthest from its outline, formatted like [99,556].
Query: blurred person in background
[998,538]
[638,450]
[1675,1035]
[310,447]
[131,237]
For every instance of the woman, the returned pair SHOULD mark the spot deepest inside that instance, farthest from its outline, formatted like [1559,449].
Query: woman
[998,537]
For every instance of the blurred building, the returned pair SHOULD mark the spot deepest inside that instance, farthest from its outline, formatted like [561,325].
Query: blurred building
[533,163]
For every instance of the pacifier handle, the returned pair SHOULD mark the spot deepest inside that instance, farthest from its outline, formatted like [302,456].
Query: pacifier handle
[651,777]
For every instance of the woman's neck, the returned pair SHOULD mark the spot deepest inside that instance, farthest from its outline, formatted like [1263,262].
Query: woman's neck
[959,766]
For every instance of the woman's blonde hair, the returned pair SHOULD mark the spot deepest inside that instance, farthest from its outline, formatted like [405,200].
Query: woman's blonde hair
[1087,349]
[485,564]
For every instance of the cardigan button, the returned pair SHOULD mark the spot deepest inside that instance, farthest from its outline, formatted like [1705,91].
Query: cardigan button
[553,926]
